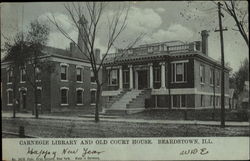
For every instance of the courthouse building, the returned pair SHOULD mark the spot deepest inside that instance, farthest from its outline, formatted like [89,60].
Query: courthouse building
[70,86]
[170,74]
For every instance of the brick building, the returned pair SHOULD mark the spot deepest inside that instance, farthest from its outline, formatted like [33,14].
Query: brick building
[69,86]
[163,75]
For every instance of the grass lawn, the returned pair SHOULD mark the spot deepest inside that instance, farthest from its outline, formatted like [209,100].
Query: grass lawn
[86,129]
[204,115]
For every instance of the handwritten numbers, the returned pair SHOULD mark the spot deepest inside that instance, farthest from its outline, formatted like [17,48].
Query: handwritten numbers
[201,151]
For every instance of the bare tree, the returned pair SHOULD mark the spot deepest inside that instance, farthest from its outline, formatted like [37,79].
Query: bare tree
[236,9]
[240,17]
[89,15]
[37,38]
[26,52]
[16,50]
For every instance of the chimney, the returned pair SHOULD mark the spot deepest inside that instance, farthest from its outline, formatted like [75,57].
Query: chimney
[97,55]
[71,47]
[204,41]
[81,35]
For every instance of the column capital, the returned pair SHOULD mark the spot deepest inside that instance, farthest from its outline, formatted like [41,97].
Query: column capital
[162,63]
[150,64]
[130,66]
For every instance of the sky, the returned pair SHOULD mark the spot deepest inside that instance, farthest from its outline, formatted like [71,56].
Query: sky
[160,21]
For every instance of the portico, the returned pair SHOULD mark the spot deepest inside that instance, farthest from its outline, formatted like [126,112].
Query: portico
[139,76]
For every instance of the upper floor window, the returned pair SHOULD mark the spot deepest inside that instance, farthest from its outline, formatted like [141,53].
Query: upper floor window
[9,75]
[202,74]
[113,77]
[218,78]
[38,74]
[64,96]
[64,72]
[179,72]
[10,97]
[23,75]
[211,76]
[79,75]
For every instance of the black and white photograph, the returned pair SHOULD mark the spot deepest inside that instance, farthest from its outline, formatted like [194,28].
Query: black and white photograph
[134,69]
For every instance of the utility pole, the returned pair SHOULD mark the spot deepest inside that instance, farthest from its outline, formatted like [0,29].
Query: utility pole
[222,66]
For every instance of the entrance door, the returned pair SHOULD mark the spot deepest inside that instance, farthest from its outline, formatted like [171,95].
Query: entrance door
[142,79]
[23,99]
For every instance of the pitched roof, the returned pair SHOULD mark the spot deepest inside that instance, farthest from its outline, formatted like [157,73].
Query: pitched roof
[48,50]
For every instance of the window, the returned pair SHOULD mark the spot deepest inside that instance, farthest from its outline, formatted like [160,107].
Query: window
[23,75]
[179,101]
[202,100]
[218,78]
[64,72]
[211,100]
[217,101]
[64,96]
[179,72]
[202,74]
[92,96]
[79,74]
[38,74]
[211,76]
[92,77]
[157,74]
[39,95]
[9,75]
[79,96]
[10,97]
[125,77]
[113,77]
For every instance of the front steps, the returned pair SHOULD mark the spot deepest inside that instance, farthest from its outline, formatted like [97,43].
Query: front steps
[130,102]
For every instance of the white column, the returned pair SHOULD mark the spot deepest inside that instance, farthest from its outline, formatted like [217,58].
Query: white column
[120,78]
[130,76]
[151,76]
[163,75]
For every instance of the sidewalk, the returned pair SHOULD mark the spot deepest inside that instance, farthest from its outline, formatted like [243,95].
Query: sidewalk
[117,119]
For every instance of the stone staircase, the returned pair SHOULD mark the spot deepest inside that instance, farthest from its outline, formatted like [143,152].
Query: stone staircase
[131,102]
[114,99]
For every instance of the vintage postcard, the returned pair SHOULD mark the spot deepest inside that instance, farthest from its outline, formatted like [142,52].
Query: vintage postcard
[134,80]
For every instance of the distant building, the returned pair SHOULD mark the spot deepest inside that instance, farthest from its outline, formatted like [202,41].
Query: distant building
[243,98]
[170,74]
[232,99]
[70,86]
